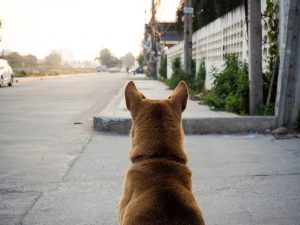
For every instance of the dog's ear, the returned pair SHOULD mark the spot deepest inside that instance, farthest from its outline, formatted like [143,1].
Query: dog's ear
[132,95]
[180,95]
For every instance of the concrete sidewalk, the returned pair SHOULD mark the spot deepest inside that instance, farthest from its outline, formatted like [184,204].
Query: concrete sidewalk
[197,119]
[237,180]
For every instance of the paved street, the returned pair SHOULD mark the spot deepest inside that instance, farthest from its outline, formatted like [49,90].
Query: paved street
[39,138]
[56,169]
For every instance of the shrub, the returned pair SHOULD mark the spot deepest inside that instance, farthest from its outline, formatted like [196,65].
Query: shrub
[190,78]
[21,73]
[269,109]
[230,89]
[297,123]
[232,103]
[200,79]
[214,101]
[163,68]
[178,74]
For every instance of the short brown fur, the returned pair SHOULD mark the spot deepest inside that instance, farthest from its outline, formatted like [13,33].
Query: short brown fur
[157,189]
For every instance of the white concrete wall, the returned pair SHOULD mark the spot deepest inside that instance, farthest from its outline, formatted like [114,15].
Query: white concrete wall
[173,52]
[227,34]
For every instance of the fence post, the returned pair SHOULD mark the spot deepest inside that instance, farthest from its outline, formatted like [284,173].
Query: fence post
[288,89]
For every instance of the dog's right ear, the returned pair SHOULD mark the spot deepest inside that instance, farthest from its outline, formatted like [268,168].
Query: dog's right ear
[180,95]
[132,95]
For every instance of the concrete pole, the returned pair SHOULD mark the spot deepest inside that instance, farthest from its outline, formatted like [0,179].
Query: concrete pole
[188,32]
[145,41]
[255,58]
[288,89]
[153,41]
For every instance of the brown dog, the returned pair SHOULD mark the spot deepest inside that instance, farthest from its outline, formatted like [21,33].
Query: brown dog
[157,187]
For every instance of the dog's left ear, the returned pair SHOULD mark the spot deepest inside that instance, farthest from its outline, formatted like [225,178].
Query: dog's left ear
[132,95]
[180,95]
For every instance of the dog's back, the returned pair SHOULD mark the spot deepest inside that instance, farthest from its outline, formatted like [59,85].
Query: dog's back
[159,193]
[157,187]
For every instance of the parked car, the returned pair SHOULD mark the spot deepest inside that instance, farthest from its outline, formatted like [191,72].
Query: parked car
[6,73]
[137,71]
[100,69]
[114,70]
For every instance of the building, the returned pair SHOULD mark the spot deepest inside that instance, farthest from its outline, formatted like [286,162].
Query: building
[164,36]
[168,34]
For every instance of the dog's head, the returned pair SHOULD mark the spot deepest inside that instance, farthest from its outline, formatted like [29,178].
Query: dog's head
[156,126]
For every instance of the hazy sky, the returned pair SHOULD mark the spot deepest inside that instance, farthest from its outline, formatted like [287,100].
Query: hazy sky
[85,26]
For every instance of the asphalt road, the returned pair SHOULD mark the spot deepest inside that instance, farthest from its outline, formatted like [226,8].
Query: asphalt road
[44,127]
[55,169]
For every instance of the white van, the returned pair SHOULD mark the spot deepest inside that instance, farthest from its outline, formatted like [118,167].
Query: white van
[6,73]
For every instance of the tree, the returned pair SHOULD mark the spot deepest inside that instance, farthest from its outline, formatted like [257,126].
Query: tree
[0,27]
[53,60]
[15,60]
[205,11]
[163,67]
[108,59]
[30,60]
[128,60]
[140,60]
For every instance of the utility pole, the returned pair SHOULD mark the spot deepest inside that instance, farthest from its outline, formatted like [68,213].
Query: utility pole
[145,41]
[153,54]
[255,58]
[188,32]
[288,89]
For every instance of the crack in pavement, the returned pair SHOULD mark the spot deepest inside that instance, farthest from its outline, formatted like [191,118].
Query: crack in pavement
[35,200]
[72,162]
[70,166]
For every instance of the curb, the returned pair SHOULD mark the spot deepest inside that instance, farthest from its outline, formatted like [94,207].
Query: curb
[211,125]
[114,120]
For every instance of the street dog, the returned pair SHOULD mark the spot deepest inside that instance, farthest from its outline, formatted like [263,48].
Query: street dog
[157,187]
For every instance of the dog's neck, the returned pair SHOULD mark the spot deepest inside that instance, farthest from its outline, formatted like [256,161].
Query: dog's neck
[158,156]
[157,142]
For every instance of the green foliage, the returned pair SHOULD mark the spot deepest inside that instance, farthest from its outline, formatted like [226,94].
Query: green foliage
[200,79]
[195,83]
[108,59]
[272,22]
[163,67]
[269,109]
[140,60]
[30,60]
[205,11]
[15,60]
[190,78]
[178,73]
[21,73]
[214,101]
[297,122]
[53,60]
[230,90]
[42,71]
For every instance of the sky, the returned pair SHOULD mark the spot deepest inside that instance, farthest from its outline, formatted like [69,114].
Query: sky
[83,26]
